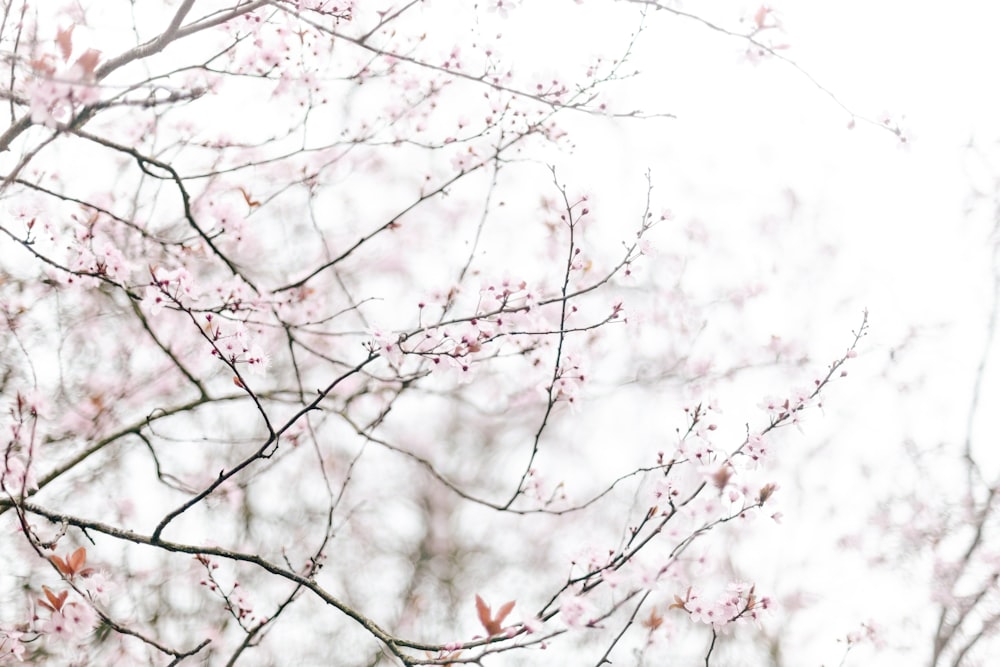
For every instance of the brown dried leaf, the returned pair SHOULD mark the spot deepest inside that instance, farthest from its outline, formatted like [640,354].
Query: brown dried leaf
[251,202]
[654,621]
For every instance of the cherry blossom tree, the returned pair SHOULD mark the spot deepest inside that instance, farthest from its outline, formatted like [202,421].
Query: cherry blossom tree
[320,348]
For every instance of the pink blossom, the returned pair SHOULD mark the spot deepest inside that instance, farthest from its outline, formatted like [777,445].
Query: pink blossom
[52,101]
[576,611]
[11,645]
[388,345]
[801,396]
[155,299]
[696,449]
[112,263]
[533,625]
[15,476]
[465,159]
[613,578]
[71,622]
[258,360]
[739,588]
[756,449]
[702,612]
[774,406]
[169,287]
[868,632]
[501,7]
[99,586]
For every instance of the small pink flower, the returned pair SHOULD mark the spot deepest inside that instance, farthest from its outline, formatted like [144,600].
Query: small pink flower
[10,645]
[156,300]
[756,449]
[533,625]
[465,159]
[80,618]
[702,612]
[388,345]
[576,611]
[258,360]
[501,7]
[99,586]
[71,622]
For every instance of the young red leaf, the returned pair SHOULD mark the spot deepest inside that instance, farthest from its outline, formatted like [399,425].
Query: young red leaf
[493,625]
[504,611]
[654,621]
[77,559]
[87,63]
[61,565]
[483,610]
[761,16]
[64,38]
[73,564]
[55,602]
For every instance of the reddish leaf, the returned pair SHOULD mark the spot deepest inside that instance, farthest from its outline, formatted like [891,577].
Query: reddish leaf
[78,558]
[60,564]
[654,621]
[73,564]
[504,611]
[55,602]
[678,603]
[87,63]
[43,65]
[484,613]
[493,624]
[64,38]
[761,16]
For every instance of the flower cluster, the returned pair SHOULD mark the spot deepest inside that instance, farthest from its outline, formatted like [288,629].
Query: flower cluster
[71,615]
[231,342]
[169,288]
[738,602]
